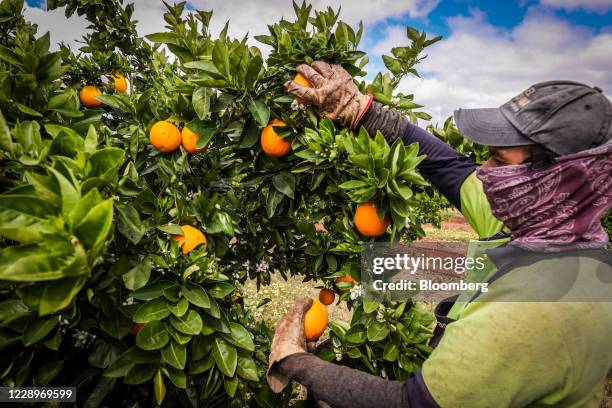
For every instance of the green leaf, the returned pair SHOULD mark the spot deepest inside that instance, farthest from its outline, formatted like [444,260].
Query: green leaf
[230,385]
[220,57]
[155,309]
[191,323]
[105,161]
[173,229]
[221,289]
[206,130]
[391,352]
[49,261]
[196,295]
[377,331]
[164,38]
[119,368]
[177,377]
[140,373]
[96,225]
[129,223]
[356,334]
[247,369]
[151,291]
[103,387]
[260,111]
[285,183]
[239,336]
[47,372]
[225,355]
[8,55]
[153,336]
[37,328]
[174,355]
[201,101]
[274,199]
[69,194]
[204,364]
[180,308]
[27,110]
[59,294]
[159,388]
[6,142]
[353,184]
[117,326]
[138,276]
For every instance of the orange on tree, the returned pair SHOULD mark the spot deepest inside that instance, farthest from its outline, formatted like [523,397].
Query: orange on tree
[367,221]
[121,83]
[315,321]
[88,94]
[190,139]
[165,137]
[136,327]
[346,278]
[327,296]
[271,143]
[191,238]
[300,80]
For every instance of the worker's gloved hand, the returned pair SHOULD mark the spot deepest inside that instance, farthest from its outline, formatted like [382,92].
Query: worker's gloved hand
[288,339]
[334,93]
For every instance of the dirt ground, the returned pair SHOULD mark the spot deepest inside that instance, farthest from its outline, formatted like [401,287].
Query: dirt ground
[283,293]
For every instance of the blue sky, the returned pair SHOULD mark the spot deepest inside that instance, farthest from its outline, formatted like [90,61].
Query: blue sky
[491,51]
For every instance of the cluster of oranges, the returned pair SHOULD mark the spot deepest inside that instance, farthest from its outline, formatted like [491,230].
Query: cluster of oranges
[166,138]
[272,144]
[89,93]
[316,318]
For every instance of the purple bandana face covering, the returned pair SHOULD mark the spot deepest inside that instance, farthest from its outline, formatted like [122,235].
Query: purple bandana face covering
[550,206]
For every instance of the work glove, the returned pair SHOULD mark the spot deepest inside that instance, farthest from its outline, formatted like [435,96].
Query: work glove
[288,339]
[334,93]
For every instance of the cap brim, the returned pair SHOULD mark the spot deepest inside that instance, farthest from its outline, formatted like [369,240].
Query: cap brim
[488,127]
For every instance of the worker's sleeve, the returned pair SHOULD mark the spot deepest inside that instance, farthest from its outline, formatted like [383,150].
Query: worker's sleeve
[444,167]
[499,354]
[341,386]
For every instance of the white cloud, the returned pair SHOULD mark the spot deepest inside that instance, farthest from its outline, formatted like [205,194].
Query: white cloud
[480,65]
[245,16]
[600,6]
[61,29]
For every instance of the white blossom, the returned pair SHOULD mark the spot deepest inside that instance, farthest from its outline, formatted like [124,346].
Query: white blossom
[262,266]
[356,292]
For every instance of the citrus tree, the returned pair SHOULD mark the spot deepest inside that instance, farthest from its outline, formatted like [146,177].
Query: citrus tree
[131,217]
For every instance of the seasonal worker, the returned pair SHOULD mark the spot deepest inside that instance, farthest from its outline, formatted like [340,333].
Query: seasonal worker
[541,334]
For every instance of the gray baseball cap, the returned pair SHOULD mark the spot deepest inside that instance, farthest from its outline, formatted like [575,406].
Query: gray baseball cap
[563,116]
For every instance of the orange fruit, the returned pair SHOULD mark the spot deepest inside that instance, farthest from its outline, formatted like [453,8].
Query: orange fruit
[368,222]
[88,94]
[300,80]
[165,136]
[271,143]
[191,238]
[136,327]
[190,139]
[121,83]
[327,296]
[315,321]
[346,278]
